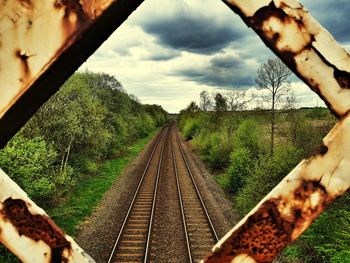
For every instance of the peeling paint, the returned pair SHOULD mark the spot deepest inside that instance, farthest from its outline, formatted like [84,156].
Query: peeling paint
[36,227]
[27,24]
[300,41]
[276,223]
[28,232]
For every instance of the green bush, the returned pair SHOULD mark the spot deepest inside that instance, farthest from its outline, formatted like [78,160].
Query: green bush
[30,163]
[266,173]
[236,146]
[220,149]
[190,128]
[248,136]
[241,164]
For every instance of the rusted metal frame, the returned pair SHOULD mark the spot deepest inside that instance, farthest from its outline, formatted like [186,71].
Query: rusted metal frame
[286,212]
[134,197]
[28,231]
[85,25]
[308,49]
[196,188]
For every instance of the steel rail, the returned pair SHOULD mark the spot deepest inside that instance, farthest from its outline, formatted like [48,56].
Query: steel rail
[135,195]
[181,203]
[154,199]
[197,190]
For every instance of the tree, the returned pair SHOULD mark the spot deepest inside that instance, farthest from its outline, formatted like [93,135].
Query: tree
[192,107]
[220,103]
[237,99]
[274,77]
[205,101]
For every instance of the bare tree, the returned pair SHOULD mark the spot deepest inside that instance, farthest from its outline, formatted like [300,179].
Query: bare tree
[237,99]
[205,101]
[274,77]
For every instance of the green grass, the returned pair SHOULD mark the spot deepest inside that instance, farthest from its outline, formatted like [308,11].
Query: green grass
[89,193]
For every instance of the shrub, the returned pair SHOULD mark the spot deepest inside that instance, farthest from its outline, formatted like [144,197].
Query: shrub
[265,175]
[220,149]
[190,128]
[240,168]
[248,136]
[29,162]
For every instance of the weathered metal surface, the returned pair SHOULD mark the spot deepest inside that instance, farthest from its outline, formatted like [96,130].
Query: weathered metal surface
[311,52]
[42,43]
[29,233]
[303,44]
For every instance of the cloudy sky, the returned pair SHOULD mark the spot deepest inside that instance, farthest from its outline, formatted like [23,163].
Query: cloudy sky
[167,52]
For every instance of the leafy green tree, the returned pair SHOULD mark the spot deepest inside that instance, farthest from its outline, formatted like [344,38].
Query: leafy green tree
[192,107]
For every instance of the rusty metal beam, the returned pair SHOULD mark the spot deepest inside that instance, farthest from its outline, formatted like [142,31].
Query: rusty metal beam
[309,50]
[289,209]
[29,233]
[42,43]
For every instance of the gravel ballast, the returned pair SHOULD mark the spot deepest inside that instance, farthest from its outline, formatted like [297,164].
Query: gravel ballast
[98,232]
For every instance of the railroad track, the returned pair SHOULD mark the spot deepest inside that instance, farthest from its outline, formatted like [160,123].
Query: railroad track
[199,231]
[133,243]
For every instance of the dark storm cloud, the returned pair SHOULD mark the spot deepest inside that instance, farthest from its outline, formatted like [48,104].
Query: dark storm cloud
[333,15]
[162,55]
[223,71]
[197,34]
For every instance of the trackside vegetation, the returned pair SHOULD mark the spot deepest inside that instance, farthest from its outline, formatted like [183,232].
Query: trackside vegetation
[70,152]
[236,146]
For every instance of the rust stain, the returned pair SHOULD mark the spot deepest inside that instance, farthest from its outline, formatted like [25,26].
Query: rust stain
[26,3]
[36,227]
[274,225]
[23,56]
[74,21]
[262,236]
[271,39]
[322,150]
[343,78]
